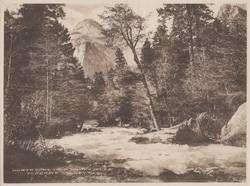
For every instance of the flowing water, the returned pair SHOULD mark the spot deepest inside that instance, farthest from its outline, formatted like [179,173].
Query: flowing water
[157,156]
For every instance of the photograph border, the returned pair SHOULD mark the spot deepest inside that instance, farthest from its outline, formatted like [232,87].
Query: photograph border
[3,3]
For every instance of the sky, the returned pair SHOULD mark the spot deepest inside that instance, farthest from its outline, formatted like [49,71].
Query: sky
[76,12]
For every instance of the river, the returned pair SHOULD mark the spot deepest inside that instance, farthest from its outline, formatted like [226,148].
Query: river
[157,155]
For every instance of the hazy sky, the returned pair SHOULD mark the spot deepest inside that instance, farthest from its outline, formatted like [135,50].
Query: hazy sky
[90,10]
[79,12]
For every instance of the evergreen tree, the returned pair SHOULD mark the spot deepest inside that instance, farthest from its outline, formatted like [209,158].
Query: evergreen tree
[71,101]
[149,64]
[111,79]
[15,57]
[214,75]
[168,69]
[120,61]
[187,20]
[148,55]
[183,45]
[98,86]
[48,70]
[34,16]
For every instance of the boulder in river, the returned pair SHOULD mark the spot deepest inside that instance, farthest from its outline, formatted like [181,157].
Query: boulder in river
[140,140]
[195,130]
[87,129]
[234,132]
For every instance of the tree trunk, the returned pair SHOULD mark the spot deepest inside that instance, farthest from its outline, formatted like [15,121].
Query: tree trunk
[50,108]
[47,91]
[50,99]
[9,68]
[151,105]
[190,22]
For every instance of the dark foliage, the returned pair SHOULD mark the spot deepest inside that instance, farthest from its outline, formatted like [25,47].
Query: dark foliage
[44,85]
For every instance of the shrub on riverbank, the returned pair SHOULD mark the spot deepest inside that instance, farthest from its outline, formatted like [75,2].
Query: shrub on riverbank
[34,154]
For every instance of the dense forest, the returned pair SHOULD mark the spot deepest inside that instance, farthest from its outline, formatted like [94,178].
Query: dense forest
[194,68]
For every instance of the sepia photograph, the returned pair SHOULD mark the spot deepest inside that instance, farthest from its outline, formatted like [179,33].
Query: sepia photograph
[124,92]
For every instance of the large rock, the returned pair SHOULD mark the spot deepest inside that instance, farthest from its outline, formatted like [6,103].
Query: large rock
[195,130]
[234,132]
[89,128]
[140,140]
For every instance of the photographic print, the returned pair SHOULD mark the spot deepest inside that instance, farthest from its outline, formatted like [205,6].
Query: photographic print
[121,92]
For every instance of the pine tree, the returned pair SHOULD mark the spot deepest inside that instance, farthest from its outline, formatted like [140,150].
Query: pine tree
[45,49]
[187,19]
[45,70]
[120,61]
[111,79]
[215,68]
[15,58]
[184,48]
[98,86]
[33,17]
[149,64]
[169,65]
[71,100]
[121,68]
[15,55]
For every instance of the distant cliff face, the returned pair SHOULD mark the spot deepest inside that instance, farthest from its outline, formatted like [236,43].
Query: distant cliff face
[90,48]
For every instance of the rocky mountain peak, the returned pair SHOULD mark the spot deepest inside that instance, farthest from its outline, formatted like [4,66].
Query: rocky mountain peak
[91,49]
[87,23]
[88,27]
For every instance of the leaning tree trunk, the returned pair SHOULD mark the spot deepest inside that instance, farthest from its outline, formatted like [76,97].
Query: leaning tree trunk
[151,105]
